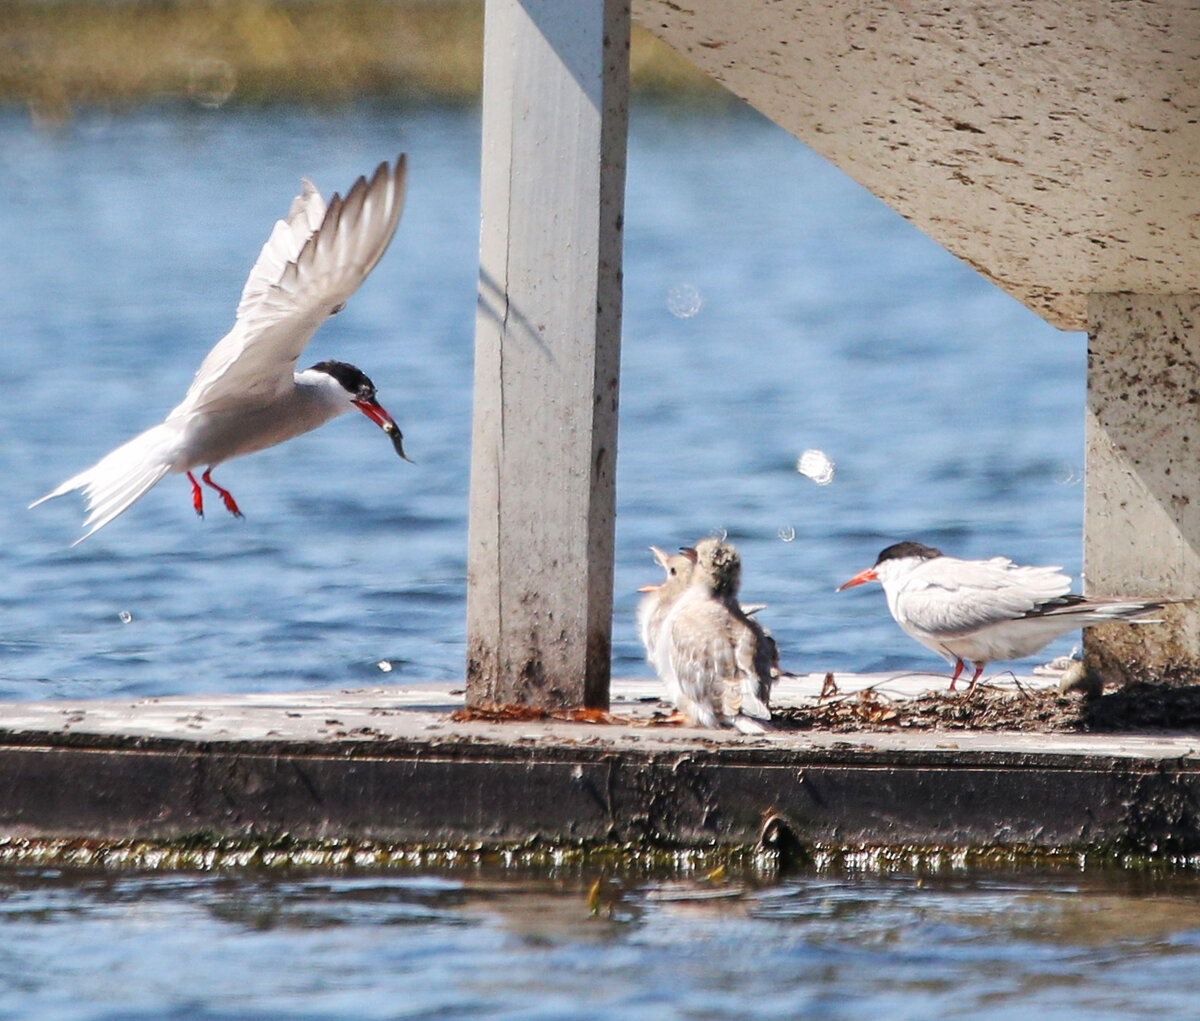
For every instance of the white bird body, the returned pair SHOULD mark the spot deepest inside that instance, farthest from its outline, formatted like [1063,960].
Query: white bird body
[246,395]
[979,611]
[716,659]
[657,603]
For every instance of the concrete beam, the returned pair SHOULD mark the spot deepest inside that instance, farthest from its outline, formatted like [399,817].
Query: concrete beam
[540,560]
[1051,146]
[1141,510]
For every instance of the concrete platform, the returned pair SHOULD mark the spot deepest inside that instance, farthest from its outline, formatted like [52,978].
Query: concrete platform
[389,765]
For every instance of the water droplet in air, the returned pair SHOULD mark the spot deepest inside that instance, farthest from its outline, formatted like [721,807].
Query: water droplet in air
[385,666]
[787,533]
[125,617]
[1068,476]
[684,301]
[816,465]
[211,82]
[720,534]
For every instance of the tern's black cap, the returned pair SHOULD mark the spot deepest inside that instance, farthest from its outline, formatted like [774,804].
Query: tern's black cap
[907,550]
[353,380]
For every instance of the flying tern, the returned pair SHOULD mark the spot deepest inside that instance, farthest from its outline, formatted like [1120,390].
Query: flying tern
[978,611]
[247,394]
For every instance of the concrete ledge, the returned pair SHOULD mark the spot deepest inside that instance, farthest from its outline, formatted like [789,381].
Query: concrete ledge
[388,765]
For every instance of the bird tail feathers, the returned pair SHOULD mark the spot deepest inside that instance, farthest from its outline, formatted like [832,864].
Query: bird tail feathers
[1132,611]
[751,725]
[756,696]
[120,478]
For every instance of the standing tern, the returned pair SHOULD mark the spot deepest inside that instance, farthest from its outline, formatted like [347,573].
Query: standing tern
[716,659]
[246,395]
[984,610]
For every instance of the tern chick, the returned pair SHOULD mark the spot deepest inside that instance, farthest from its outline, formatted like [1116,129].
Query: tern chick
[658,601]
[716,658]
[978,611]
[246,395]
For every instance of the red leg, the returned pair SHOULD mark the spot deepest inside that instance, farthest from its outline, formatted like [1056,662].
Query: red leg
[958,669]
[978,670]
[226,496]
[197,494]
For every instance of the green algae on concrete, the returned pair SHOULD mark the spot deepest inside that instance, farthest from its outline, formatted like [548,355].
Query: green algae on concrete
[200,852]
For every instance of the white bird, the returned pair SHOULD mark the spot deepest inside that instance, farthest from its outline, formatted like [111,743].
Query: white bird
[246,395]
[983,610]
[711,653]
[657,602]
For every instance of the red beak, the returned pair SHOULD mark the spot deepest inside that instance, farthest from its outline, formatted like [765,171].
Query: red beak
[860,579]
[381,418]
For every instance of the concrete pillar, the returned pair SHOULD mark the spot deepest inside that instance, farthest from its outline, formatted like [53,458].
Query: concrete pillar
[1141,530]
[547,352]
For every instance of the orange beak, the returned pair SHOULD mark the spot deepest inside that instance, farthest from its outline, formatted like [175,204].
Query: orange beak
[860,579]
[649,588]
[381,418]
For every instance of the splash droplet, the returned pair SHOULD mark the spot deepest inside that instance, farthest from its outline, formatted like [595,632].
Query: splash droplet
[385,666]
[125,617]
[211,82]
[787,533]
[684,301]
[816,465]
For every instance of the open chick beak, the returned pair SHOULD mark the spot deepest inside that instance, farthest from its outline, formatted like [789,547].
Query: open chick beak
[860,579]
[381,418]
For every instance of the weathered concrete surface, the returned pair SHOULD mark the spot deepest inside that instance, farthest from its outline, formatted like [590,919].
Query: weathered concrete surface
[388,765]
[1141,510]
[1054,147]
[547,353]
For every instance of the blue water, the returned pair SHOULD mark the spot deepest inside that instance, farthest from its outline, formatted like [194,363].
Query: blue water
[303,947]
[824,321]
[771,306]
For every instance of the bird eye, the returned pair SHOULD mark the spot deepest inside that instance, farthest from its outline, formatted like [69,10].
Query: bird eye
[672,572]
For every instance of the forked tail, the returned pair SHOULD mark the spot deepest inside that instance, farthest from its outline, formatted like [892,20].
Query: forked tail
[1133,611]
[1082,611]
[120,478]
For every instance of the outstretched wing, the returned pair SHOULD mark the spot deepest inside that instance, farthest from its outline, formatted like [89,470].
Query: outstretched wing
[310,266]
[947,596]
[284,245]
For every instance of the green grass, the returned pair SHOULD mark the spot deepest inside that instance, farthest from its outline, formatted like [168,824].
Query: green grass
[57,56]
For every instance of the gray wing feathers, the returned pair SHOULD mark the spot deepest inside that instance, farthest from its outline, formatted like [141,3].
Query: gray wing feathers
[753,657]
[950,596]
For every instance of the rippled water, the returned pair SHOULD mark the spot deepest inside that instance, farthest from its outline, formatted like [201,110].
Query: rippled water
[961,945]
[771,307]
